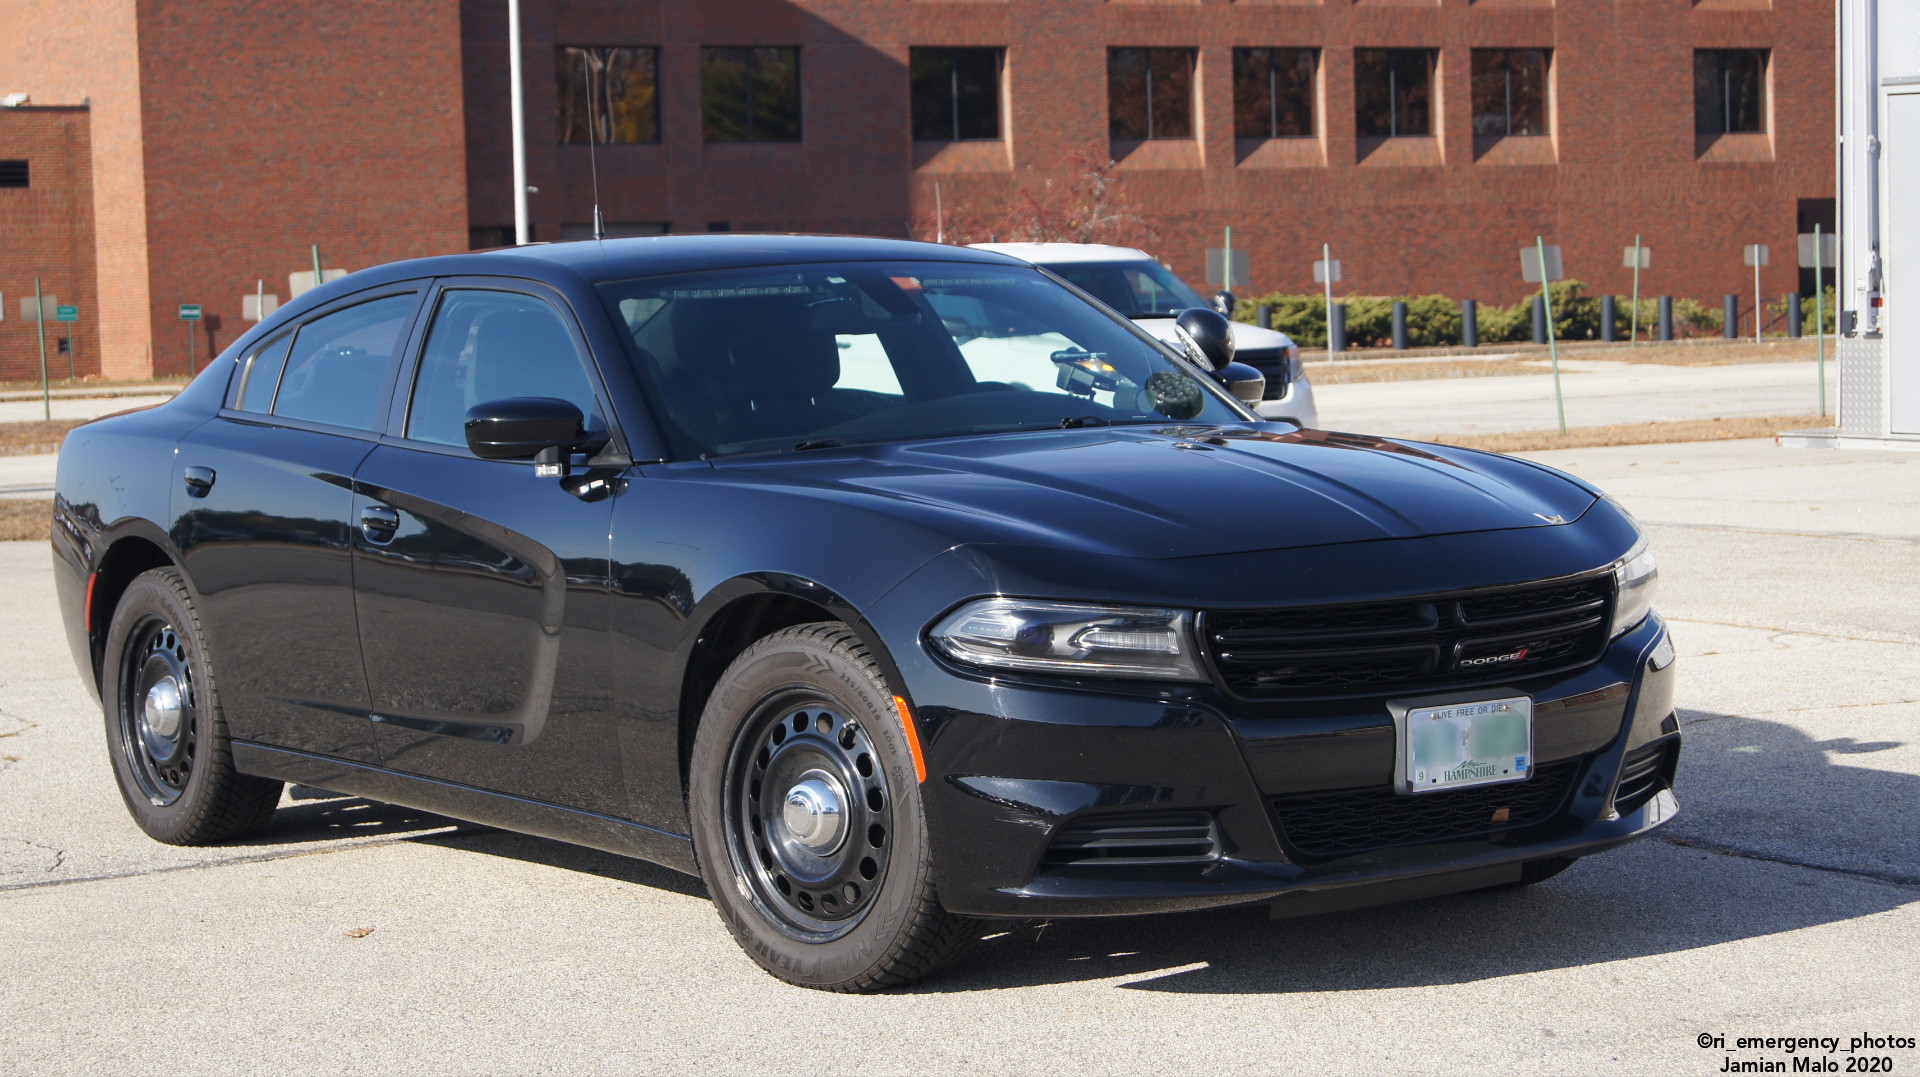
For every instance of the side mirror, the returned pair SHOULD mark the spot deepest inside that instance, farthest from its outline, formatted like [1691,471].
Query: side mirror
[520,427]
[1224,302]
[1211,330]
[1243,381]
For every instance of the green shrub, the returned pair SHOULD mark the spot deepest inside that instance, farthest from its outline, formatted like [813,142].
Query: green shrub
[1808,310]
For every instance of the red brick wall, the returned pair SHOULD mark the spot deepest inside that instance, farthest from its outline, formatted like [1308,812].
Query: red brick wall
[46,230]
[1622,158]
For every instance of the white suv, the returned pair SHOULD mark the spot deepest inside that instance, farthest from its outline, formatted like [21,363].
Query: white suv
[1131,282]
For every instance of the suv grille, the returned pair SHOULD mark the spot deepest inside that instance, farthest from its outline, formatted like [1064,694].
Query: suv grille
[1643,774]
[1269,361]
[1156,838]
[1347,821]
[1375,648]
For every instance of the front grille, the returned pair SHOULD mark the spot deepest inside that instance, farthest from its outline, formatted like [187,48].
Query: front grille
[1346,821]
[1135,839]
[1644,773]
[1378,648]
[1269,361]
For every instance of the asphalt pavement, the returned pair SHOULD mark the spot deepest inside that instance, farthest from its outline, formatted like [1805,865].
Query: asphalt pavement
[1781,902]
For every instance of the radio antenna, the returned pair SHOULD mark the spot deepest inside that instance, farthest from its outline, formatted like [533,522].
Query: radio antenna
[593,160]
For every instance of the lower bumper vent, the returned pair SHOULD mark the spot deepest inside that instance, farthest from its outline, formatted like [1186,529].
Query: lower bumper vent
[1146,838]
[1645,772]
[1345,821]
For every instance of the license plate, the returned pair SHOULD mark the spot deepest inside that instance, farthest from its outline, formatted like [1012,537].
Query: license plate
[1456,745]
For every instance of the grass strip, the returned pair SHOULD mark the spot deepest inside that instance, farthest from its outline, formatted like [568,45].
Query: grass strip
[1587,437]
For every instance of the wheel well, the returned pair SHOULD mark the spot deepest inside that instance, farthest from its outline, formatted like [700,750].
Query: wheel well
[124,561]
[731,631]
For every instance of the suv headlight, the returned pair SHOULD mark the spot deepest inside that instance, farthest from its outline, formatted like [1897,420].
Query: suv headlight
[1071,638]
[1634,577]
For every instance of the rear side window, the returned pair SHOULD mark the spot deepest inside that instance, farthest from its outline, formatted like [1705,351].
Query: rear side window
[487,346]
[260,376]
[339,362]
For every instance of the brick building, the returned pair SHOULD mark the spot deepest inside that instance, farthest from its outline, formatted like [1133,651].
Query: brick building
[198,148]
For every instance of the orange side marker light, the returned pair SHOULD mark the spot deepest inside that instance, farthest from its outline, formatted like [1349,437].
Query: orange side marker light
[913,738]
[92,578]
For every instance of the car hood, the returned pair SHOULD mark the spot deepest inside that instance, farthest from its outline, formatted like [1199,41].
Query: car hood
[1247,337]
[1179,491]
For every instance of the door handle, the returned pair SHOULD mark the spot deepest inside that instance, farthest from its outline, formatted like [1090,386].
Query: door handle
[378,523]
[199,480]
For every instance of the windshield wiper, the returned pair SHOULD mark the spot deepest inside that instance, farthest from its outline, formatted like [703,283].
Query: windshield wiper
[818,443]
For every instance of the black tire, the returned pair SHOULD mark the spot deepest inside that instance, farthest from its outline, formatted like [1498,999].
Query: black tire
[172,759]
[810,701]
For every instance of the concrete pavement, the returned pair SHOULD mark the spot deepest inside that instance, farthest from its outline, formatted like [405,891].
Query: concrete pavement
[1598,392]
[1781,902]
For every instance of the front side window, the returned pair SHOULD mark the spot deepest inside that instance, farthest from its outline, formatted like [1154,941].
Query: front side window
[1149,93]
[1273,92]
[1140,289]
[750,94]
[608,94]
[338,364]
[1510,91]
[1729,91]
[1393,92]
[486,346]
[956,93]
[801,357]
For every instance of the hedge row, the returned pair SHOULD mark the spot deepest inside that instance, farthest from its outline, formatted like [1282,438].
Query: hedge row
[1434,320]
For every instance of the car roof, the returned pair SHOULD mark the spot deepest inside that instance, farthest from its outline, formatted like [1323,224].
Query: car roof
[1062,253]
[642,256]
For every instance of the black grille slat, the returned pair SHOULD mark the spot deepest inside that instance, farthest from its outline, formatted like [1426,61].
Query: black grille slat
[1408,645]
[1641,776]
[1139,839]
[1346,821]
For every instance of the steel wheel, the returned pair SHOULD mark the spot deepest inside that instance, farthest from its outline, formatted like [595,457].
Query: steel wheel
[158,724]
[809,816]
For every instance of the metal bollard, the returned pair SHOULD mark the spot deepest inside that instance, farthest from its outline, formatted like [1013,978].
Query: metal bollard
[1263,315]
[1539,320]
[1666,317]
[1794,315]
[1609,311]
[1730,316]
[1469,323]
[1399,325]
[1337,328]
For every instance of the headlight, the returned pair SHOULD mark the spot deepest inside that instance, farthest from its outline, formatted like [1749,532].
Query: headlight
[1070,638]
[1634,577]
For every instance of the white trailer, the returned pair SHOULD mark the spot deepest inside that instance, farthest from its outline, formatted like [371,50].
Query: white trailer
[1879,225]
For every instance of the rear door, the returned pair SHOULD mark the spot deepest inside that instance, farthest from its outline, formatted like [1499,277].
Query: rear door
[482,586]
[263,500]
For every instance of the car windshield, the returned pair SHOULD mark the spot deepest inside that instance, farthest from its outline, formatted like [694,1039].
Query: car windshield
[1137,289]
[798,357]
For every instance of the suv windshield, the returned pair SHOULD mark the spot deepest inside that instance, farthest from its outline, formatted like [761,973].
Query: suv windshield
[1140,289]
[801,357]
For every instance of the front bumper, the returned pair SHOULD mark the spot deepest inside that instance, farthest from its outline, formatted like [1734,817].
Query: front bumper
[1011,765]
[1296,406]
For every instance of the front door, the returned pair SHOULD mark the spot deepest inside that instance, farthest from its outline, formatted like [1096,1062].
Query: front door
[263,502]
[482,586]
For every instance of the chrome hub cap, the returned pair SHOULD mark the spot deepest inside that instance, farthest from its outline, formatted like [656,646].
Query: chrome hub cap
[816,812]
[160,717]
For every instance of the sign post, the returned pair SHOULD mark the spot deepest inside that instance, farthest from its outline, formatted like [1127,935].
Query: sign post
[1326,271]
[71,315]
[1543,264]
[190,313]
[1226,266]
[1639,258]
[40,324]
[1756,255]
[1815,252]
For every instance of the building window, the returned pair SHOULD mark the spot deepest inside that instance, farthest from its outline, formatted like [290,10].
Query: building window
[15,174]
[1393,91]
[1510,91]
[956,93]
[1729,91]
[750,94]
[1273,92]
[610,94]
[1149,93]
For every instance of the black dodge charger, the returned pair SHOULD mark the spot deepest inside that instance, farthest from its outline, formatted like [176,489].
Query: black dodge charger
[885,586]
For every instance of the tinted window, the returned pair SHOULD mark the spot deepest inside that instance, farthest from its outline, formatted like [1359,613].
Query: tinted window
[1135,289]
[339,363]
[1273,91]
[1510,91]
[1729,91]
[1150,93]
[750,94]
[1393,91]
[956,93]
[608,94]
[260,375]
[488,346]
[784,357]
